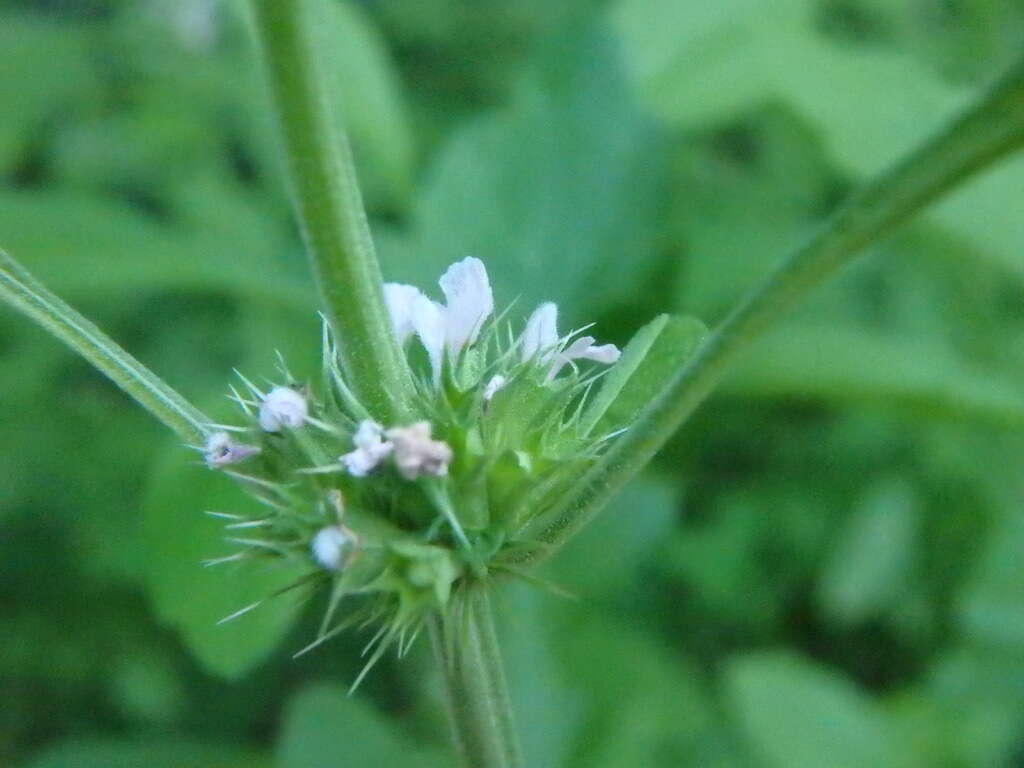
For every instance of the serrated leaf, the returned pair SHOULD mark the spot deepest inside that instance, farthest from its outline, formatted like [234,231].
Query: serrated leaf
[192,598]
[796,714]
[324,726]
[651,358]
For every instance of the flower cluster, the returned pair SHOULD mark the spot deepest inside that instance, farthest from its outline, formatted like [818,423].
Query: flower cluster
[395,516]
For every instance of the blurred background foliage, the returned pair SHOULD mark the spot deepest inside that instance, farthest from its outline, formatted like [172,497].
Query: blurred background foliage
[822,569]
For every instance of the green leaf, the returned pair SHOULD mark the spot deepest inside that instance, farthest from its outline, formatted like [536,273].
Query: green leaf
[705,63]
[845,365]
[160,753]
[796,714]
[556,193]
[86,246]
[650,359]
[324,726]
[869,567]
[191,598]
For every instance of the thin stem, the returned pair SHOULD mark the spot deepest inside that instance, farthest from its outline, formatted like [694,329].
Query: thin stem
[988,131]
[26,294]
[330,208]
[479,710]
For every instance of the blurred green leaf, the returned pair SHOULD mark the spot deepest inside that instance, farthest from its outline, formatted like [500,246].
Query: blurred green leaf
[633,527]
[838,365]
[324,726]
[191,598]
[556,193]
[642,705]
[870,564]
[796,714]
[368,96]
[81,245]
[698,64]
[53,61]
[991,605]
[162,753]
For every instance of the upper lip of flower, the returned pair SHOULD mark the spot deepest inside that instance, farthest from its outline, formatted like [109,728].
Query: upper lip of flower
[451,326]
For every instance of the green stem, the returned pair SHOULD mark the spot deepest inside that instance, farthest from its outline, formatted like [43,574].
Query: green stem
[988,131]
[479,710]
[330,208]
[26,294]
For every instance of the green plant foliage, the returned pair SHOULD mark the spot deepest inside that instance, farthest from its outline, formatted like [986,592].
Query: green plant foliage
[193,599]
[851,500]
[325,726]
[797,714]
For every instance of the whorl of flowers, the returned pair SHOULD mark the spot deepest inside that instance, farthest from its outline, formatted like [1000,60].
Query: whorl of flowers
[394,516]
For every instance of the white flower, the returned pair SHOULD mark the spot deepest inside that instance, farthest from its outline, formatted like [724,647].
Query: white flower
[329,547]
[220,450]
[282,407]
[491,387]
[399,300]
[540,340]
[371,449]
[416,453]
[451,326]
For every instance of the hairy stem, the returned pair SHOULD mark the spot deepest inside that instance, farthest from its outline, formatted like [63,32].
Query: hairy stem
[990,130]
[330,207]
[26,294]
[479,710]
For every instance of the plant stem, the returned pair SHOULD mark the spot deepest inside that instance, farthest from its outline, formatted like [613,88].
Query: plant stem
[26,294]
[479,710]
[330,208]
[991,129]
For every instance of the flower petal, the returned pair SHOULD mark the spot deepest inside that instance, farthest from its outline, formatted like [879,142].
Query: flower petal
[428,318]
[400,299]
[470,302]
[541,332]
[606,353]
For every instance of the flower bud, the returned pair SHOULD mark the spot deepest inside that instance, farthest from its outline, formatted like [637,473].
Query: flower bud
[221,450]
[283,407]
[332,546]
[416,454]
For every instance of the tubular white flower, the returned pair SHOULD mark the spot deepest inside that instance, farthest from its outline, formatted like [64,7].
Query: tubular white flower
[221,450]
[450,326]
[283,407]
[469,302]
[540,340]
[416,453]
[331,547]
[400,300]
[429,319]
[541,334]
[371,449]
